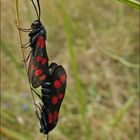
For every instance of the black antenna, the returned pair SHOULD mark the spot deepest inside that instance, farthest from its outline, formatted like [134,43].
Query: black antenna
[39,9]
[38,15]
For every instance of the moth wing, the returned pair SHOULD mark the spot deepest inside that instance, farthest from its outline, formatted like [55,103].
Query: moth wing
[51,107]
[59,79]
[38,68]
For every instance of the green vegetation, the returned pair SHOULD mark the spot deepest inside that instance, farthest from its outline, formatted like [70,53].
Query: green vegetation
[98,45]
[133,3]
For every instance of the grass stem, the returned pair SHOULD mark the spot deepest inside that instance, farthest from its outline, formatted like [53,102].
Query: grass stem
[133,3]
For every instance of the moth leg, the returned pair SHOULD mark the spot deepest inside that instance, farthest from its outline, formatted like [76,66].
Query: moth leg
[36,112]
[36,93]
[26,46]
[30,43]
[22,45]
[27,57]
[24,29]
[39,107]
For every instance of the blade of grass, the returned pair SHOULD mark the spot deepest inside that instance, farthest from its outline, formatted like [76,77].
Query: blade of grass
[78,88]
[22,50]
[12,58]
[119,116]
[118,58]
[133,3]
[8,118]
[12,135]
[120,113]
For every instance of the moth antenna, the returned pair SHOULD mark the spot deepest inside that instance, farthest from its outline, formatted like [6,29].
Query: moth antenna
[36,9]
[39,9]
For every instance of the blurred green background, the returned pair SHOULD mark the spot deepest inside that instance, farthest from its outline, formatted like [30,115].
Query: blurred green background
[97,43]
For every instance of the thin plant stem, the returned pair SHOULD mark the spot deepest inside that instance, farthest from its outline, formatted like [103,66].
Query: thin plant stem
[20,37]
[118,58]
[132,3]
[78,88]
[12,135]
[115,120]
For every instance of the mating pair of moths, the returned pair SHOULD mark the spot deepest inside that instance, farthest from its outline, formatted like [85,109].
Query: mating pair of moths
[52,78]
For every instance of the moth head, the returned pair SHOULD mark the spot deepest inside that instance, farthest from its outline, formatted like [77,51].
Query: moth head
[36,24]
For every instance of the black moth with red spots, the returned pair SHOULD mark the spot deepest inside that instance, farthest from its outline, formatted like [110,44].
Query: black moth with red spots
[38,63]
[52,79]
[53,91]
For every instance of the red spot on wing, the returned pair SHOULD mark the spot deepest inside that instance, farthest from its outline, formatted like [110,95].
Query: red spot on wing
[60,96]
[42,43]
[38,41]
[38,59]
[54,100]
[43,77]
[44,60]
[57,84]
[50,118]
[38,72]
[62,78]
[55,115]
